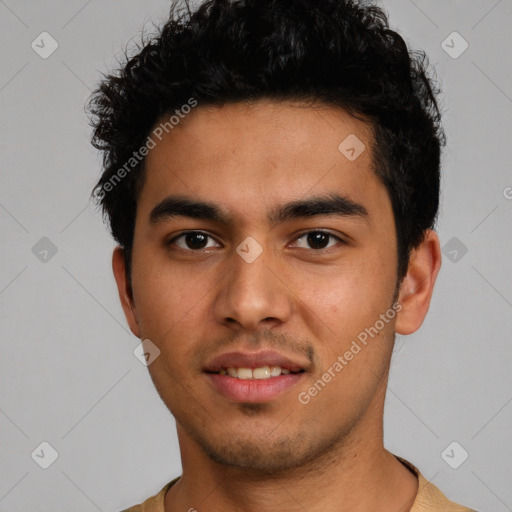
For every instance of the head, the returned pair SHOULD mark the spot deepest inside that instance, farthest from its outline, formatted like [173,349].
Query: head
[271,175]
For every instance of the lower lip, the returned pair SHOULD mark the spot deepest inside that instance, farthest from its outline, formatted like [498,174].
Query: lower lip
[253,390]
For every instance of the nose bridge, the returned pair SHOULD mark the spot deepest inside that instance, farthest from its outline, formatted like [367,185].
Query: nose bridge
[251,278]
[251,292]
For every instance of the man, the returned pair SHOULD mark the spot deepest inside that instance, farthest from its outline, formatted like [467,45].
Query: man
[271,174]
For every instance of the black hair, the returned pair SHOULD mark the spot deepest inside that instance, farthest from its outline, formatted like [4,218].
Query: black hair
[337,52]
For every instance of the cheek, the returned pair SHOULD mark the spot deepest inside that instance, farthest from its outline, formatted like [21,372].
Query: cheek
[174,308]
[167,300]
[348,297]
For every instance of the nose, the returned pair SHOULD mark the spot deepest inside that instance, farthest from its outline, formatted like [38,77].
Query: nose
[253,296]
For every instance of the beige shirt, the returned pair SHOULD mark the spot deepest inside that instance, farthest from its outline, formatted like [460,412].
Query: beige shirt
[428,499]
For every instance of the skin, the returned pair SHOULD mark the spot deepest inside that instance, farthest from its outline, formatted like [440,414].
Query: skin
[301,301]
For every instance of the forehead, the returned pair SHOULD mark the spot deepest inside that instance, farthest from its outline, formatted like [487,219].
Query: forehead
[249,156]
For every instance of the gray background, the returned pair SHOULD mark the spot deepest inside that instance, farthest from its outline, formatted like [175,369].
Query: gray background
[68,373]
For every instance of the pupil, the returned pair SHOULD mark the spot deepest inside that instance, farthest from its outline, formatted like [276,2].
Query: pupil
[195,240]
[318,240]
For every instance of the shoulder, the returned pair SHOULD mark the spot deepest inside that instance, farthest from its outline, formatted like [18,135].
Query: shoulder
[154,503]
[429,497]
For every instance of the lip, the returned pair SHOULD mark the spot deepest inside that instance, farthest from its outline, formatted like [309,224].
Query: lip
[253,390]
[238,359]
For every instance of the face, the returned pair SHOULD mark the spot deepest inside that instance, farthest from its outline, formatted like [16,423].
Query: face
[262,254]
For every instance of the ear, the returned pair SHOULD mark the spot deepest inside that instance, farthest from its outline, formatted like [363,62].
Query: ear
[124,289]
[418,284]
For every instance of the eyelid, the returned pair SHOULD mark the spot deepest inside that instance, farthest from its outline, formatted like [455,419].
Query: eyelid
[172,239]
[297,236]
[319,230]
[339,238]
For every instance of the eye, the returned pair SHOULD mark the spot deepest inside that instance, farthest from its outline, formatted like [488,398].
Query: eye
[317,240]
[194,241]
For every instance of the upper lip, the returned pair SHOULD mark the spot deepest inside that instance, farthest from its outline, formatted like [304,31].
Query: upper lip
[238,359]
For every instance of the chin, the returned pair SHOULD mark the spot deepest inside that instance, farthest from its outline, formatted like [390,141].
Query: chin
[258,457]
[266,454]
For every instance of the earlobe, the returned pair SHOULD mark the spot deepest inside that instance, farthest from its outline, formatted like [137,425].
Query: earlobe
[418,284]
[124,290]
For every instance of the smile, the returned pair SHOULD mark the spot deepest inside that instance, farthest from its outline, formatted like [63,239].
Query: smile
[261,373]
[257,385]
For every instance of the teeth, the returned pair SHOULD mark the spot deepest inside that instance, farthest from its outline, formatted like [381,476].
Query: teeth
[264,372]
[261,373]
[244,373]
[275,371]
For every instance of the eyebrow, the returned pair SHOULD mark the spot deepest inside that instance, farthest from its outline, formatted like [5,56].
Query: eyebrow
[332,204]
[176,206]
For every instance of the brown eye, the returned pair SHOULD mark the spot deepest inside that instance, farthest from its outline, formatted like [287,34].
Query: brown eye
[317,240]
[194,241]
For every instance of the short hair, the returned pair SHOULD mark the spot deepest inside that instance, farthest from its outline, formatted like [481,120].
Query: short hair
[340,53]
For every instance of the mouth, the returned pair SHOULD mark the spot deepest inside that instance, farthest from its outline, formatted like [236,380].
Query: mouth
[261,373]
[253,377]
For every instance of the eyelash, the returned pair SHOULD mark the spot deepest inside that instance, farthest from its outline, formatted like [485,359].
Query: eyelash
[302,235]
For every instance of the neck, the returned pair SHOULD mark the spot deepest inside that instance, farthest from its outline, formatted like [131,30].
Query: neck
[355,475]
